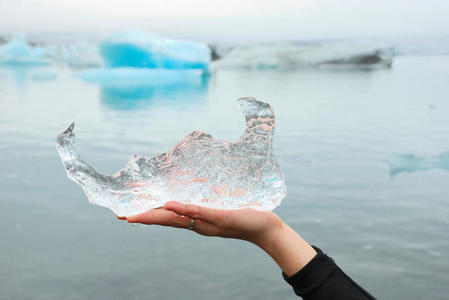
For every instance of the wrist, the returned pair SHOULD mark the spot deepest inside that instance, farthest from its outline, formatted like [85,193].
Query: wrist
[269,238]
[287,248]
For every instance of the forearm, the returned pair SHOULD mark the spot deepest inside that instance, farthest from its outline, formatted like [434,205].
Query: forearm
[313,275]
[287,248]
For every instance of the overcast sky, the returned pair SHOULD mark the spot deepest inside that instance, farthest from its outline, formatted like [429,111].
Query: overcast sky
[231,19]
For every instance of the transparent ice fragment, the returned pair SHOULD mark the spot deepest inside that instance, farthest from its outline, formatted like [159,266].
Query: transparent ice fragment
[199,170]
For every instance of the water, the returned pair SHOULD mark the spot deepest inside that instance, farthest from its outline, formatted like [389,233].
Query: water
[334,131]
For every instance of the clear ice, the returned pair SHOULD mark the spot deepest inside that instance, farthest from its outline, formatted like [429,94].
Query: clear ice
[198,170]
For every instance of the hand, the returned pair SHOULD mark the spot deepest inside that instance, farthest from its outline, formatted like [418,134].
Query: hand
[263,228]
[247,224]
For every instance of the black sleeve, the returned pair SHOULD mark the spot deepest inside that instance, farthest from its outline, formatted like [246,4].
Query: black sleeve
[322,279]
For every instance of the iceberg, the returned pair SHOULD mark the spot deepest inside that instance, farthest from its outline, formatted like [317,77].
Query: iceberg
[410,163]
[142,66]
[77,55]
[145,50]
[199,170]
[309,55]
[17,52]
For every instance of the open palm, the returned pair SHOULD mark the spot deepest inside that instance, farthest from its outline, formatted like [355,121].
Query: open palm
[246,224]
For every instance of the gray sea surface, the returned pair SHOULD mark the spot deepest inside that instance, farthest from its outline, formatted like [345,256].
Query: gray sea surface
[335,131]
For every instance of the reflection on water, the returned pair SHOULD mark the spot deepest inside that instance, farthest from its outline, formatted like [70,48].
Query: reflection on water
[43,76]
[20,74]
[129,96]
[346,123]
[23,73]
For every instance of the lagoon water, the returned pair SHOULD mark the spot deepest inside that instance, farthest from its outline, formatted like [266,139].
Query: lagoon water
[335,130]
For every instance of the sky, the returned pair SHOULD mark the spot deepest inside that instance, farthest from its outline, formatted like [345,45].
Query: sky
[231,19]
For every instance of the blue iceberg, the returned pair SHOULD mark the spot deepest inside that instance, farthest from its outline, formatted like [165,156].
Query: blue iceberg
[411,163]
[140,67]
[17,52]
[145,50]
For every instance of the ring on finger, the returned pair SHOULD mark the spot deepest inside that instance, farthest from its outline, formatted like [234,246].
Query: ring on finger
[191,224]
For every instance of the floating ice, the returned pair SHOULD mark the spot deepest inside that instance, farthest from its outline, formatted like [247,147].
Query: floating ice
[198,170]
[411,163]
[141,65]
[294,55]
[17,52]
[144,50]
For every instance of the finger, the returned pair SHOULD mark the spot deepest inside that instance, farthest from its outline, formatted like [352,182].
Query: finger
[193,211]
[121,218]
[160,217]
[205,228]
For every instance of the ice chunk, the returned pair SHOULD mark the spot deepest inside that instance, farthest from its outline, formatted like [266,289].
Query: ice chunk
[411,163]
[295,55]
[17,52]
[198,170]
[145,50]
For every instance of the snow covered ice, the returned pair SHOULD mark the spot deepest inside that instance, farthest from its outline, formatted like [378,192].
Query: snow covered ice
[199,170]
